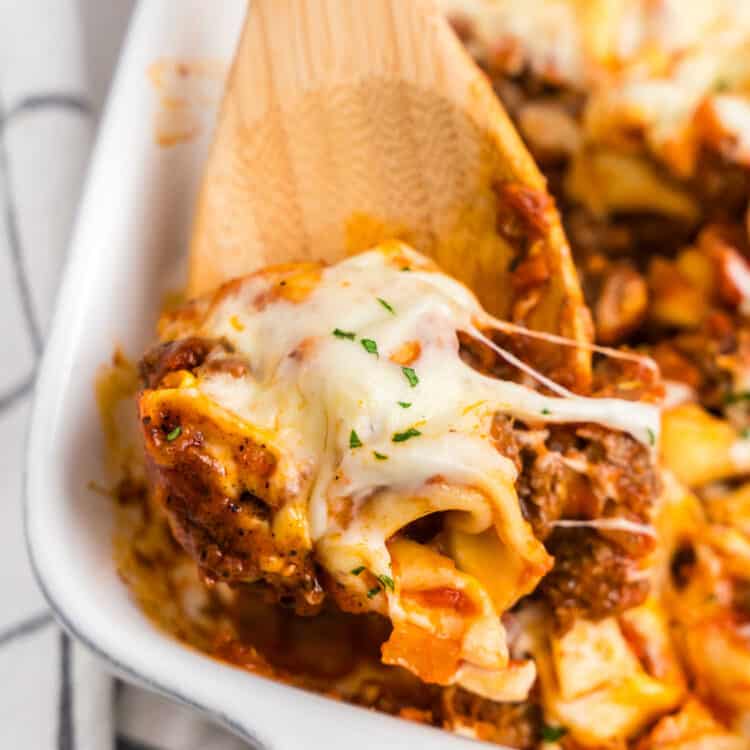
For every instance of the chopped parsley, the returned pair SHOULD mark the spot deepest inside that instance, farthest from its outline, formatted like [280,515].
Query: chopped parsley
[338,333]
[373,592]
[371,347]
[722,84]
[745,433]
[386,582]
[737,397]
[553,734]
[651,436]
[356,571]
[387,306]
[411,376]
[404,404]
[402,437]
[174,434]
[380,456]
[546,412]
[354,441]
[405,268]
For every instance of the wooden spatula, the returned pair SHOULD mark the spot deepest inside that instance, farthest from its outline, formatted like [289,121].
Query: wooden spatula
[347,123]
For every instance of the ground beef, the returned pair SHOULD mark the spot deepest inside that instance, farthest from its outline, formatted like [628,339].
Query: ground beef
[516,725]
[623,475]
[635,236]
[741,599]
[225,526]
[593,577]
[184,354]
[708,359]
[544,487]
[577,471]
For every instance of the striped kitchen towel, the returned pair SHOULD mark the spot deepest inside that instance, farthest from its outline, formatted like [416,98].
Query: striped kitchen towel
[56,58]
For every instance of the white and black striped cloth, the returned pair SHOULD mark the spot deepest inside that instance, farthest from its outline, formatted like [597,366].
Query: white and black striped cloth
[56,58]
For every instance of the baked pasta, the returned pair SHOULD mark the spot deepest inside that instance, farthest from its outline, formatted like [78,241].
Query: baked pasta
[360,482]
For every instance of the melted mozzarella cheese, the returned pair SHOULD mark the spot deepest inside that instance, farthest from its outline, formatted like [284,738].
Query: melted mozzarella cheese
[608,524]
[355,376]
[316,389]
[323,380]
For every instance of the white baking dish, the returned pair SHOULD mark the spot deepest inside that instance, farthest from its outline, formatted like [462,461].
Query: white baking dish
[131,234]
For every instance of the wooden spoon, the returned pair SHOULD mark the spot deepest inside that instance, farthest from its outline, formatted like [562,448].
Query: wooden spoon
[348,123]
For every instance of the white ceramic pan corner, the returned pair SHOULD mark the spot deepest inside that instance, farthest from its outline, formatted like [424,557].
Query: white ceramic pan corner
[131,233]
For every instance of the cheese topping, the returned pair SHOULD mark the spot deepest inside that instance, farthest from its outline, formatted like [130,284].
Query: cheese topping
[356,382]
[316,378]
[676,71]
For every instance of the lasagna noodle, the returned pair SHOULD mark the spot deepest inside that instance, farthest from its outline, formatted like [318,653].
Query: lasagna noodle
[593,681]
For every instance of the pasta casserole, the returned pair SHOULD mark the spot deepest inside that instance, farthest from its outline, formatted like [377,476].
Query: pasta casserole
[359,481]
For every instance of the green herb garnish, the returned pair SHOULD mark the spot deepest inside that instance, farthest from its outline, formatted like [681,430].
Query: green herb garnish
[174,434]
[401,437]
[737,397]
[386,582]
[338,333]
[745,433]
[546,412]
[380,456]
[354,441]
[651,436]
[411,376]
[553,734]
[371,347]
[373,592]
[405,268]
[356,571]
[387,306]
[404,404]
